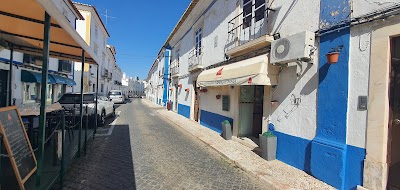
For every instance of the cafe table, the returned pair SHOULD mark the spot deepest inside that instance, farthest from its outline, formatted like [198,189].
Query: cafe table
[32,113]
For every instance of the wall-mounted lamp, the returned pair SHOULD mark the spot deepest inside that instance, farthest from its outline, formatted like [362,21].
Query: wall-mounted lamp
[277,36]
[187,90]
[180,85]
[218,96]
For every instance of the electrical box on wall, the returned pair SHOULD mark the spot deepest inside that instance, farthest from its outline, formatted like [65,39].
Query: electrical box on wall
[362,103]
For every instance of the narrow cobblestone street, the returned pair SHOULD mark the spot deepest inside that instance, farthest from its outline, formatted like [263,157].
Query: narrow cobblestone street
[141,150]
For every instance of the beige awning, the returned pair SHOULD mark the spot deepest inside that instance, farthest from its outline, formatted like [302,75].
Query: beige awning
[253,71]
[22,25]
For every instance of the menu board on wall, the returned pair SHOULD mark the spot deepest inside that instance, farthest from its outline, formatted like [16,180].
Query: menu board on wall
[225,103]
[17,144]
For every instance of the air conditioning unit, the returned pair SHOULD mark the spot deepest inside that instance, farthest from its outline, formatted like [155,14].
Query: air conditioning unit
[294,48]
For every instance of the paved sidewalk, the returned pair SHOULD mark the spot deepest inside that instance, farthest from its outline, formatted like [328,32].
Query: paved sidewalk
[275,173]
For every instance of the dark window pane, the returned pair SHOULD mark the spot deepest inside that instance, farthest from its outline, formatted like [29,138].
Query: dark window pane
[115,93]
[246,1]
[247,15]
[259,3]
[75,98]
[260,13]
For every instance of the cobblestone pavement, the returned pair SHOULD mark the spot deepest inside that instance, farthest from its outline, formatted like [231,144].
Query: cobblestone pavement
[144,151]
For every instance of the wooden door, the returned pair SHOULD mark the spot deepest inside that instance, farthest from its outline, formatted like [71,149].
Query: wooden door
[394,125]
[196,102]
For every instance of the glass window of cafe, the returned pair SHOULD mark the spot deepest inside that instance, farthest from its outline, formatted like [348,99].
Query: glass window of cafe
[61,89]
[30,92]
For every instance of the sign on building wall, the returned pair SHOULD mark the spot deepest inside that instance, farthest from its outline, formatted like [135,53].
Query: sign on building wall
[225,103]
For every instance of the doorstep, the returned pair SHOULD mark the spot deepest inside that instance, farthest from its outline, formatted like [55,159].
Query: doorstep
[276,174]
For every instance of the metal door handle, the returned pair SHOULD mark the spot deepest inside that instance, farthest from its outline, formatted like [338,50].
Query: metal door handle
[396,121]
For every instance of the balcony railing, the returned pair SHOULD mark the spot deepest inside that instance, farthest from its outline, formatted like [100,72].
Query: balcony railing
[175,68]
[195,59]
[248,27]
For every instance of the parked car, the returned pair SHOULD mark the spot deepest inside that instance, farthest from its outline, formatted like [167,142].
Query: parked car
[105,107]
[116,96]
[130,96]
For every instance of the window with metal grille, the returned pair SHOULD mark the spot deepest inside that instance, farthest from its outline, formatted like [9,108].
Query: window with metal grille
[64,66]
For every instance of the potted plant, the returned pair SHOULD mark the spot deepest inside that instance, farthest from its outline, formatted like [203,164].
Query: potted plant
[333,55]
[268,142]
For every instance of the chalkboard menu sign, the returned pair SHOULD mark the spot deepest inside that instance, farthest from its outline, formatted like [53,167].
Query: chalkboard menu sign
[225,103]
[18,147]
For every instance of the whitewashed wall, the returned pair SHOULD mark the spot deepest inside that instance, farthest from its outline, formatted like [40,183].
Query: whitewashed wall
[67,10]
[362,7]
[288,19]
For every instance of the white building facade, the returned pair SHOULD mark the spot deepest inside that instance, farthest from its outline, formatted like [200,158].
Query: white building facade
[334,119]
[26,75]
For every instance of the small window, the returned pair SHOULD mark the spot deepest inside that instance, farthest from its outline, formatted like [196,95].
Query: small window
[102,88]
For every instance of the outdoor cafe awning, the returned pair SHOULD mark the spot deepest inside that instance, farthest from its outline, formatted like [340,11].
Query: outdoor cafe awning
[22,25]
[253,71]
[70,82]
[35,77]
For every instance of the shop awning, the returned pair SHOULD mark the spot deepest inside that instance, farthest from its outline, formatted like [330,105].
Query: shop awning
[22,26]
[253,71]
[59,79]
[70,82]
[34,77]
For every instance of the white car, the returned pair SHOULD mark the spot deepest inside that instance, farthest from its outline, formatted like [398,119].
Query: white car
[105,107]
[116,96]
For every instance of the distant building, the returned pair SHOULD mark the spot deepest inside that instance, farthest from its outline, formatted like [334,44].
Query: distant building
[94,32]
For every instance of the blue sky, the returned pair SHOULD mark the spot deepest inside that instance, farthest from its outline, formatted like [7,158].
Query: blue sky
[139,29]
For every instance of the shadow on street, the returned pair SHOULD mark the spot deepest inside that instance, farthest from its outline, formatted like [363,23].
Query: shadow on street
[107,165]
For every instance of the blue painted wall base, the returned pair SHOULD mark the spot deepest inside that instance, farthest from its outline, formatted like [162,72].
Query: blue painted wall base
[213,121]
[184,110]
[328,162]
[294,151]
[341,166]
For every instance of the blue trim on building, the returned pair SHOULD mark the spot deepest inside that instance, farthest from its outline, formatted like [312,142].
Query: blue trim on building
[329,152]
[213,121]
[328,149]
[354,167]
[294,151]
[298,152]
[8,61]
[184,110]
[167,58]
